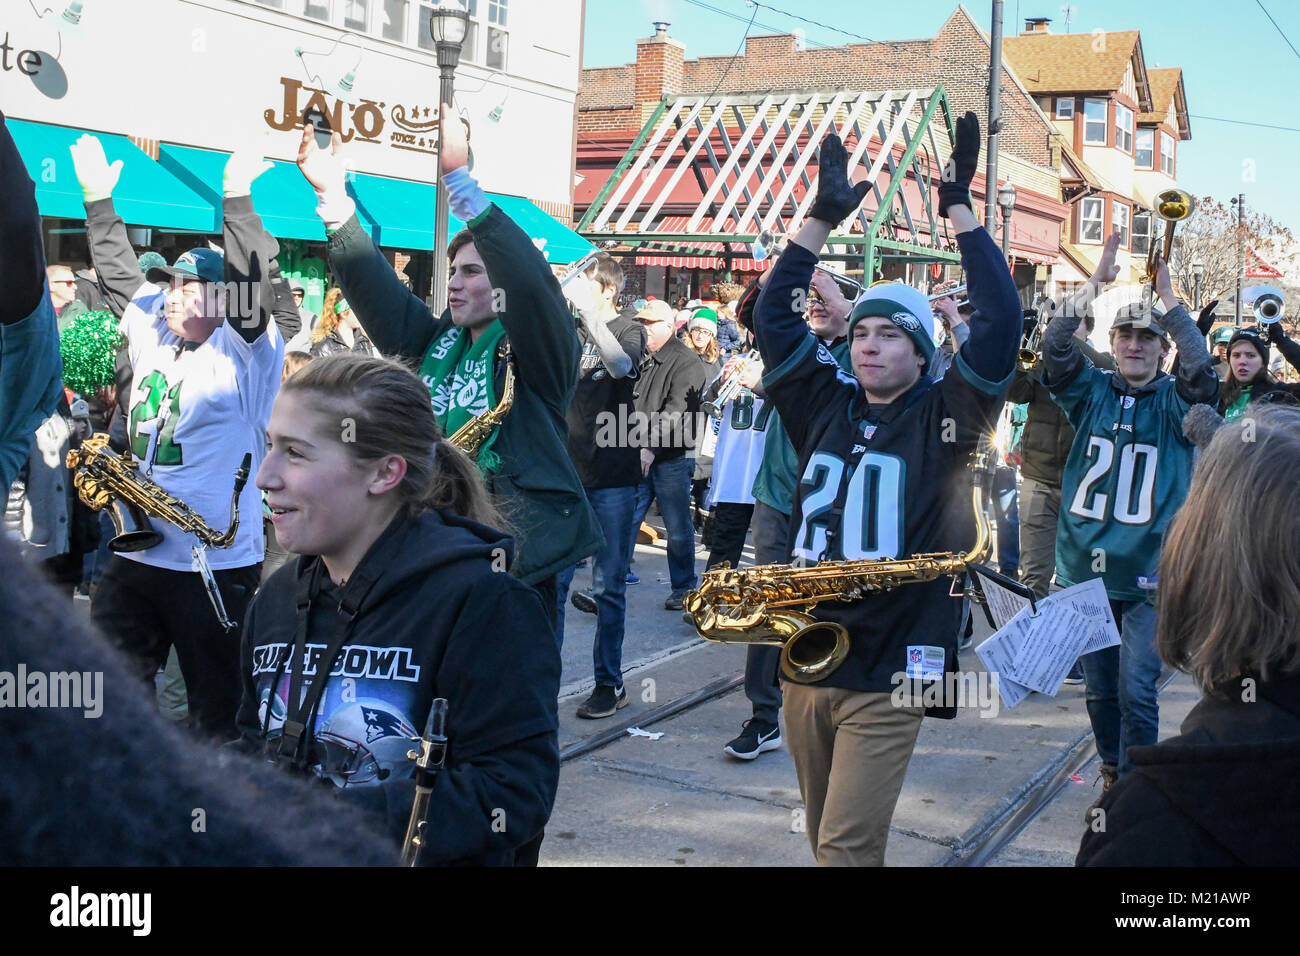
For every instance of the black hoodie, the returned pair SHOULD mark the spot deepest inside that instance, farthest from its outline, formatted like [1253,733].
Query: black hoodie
[1225,792]
[435,616]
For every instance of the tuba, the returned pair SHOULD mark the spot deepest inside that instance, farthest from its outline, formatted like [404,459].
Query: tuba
[471,436]
[104,479]
[772,604]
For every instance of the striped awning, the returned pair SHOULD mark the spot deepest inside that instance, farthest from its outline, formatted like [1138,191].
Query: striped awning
[712,254]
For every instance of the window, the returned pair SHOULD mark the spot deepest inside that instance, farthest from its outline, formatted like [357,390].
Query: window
[1094,122]
[1142,233]
[1124,128]
[1167,154]
[1090,212]
[274,4]
[1143,157]
[497,35]
[318,9]
[394,25]
[1064,107]
[354,15]
[1119,221]
[468,48]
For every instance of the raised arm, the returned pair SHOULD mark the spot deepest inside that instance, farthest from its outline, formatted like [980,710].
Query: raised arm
[1196,378]
[111,254]
[1062,357]
[250,250]
[584,295]
[532,308]
[396,319]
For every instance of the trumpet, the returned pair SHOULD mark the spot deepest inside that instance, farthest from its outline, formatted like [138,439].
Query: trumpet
[765,245]
[1173,206]
[731,386]
[1267,302]
[943,295]
[578,268]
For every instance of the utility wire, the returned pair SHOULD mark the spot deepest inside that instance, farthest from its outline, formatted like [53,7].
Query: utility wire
[1278,28]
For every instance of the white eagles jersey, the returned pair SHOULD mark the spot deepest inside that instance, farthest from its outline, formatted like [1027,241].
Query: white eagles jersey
[741,441]
[195,411]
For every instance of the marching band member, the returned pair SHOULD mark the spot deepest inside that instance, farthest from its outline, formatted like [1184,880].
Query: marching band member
[1125,477]
[400,595]
[880,455]
[500,290]
[203,383]
[1224,792]
[1248,378]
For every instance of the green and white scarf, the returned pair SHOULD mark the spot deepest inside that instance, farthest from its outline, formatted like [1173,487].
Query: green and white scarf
[458,374]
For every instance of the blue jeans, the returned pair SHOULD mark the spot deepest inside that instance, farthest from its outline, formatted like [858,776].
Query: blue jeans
[613,507]
[1121,686]
[670,483]
[1007,513]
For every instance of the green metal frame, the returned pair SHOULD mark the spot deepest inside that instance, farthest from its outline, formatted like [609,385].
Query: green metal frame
[876,244]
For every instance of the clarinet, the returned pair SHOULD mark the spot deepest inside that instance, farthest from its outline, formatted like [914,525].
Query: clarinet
[428,763]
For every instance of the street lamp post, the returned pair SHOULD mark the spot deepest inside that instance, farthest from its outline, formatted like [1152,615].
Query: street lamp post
[1007,203]
[1198,270]
[448,22]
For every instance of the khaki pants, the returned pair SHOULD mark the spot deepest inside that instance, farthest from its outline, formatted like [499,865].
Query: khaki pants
[850,750]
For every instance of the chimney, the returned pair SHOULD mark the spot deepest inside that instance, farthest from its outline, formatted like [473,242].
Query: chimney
[659,69]
[1036,25]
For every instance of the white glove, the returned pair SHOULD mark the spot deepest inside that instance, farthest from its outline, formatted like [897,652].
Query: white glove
[581,295]
[242,168]
[94,174]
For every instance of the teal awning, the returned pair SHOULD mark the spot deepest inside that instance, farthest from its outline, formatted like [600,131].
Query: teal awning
[284,200]
[146,195]
[399,213]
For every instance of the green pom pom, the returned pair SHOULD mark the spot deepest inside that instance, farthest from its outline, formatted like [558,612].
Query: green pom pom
[89,348]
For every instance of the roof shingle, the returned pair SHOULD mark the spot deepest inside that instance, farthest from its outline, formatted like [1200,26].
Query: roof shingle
[1070,62]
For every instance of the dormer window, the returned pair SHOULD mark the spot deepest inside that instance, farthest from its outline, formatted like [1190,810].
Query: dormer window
[1065,107]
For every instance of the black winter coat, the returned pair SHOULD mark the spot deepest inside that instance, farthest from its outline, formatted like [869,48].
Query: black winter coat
[435,616]
[1047,436]
[1225,792]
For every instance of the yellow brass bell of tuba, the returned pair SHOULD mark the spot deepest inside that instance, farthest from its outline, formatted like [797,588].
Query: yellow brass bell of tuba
[772,604]
[471,436]
[105,479]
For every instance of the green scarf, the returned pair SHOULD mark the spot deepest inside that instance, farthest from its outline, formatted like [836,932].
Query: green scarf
[458,374]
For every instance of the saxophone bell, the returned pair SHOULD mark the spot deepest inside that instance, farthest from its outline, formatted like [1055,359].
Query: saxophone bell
[131,529]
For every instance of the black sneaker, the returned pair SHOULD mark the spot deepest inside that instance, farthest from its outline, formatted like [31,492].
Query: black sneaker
[583,601]
[675,601]
[603,702]
[755,737]
[1076,674]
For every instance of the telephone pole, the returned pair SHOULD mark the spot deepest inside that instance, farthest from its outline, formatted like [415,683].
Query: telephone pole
[1240,203]
[995,119]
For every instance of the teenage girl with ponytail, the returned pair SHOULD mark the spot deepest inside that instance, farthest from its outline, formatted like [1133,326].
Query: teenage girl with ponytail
[400,594]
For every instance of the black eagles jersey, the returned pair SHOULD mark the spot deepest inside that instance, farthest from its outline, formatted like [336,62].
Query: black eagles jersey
[905,465]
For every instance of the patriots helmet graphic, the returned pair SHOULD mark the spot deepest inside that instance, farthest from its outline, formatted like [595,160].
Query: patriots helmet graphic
[363,741]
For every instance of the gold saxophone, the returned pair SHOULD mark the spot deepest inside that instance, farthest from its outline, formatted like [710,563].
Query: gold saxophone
[105,479]
[471,436]
[772,604]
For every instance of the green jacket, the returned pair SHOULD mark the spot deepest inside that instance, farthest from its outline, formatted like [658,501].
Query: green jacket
[536,484]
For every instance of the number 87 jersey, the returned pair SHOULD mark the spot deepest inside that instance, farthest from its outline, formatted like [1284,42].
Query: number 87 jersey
[1126,475]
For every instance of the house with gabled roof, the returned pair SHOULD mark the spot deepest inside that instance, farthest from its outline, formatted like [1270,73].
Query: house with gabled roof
[1118,125]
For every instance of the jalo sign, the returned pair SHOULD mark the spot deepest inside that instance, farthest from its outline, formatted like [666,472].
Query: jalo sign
[414,127]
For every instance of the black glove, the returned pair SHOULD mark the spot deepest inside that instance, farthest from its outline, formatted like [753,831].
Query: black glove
[837,197]
[1276,336]
[1206,318]
[954,189]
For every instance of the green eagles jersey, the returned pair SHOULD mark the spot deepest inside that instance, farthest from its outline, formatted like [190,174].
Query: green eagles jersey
[1126,475]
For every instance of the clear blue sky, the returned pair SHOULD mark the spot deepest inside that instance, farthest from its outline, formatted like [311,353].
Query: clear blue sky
[1235,64]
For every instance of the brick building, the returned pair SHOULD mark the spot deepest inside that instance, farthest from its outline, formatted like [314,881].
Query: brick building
[614,103]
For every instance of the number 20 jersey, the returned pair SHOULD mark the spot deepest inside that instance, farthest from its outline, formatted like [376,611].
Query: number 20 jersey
[1126,475]
[910,493]
[196,411]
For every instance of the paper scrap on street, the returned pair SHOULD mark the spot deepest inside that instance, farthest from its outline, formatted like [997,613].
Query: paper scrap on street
[638,732]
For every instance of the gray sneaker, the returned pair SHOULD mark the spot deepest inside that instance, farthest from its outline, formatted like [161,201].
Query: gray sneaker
[675,601]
